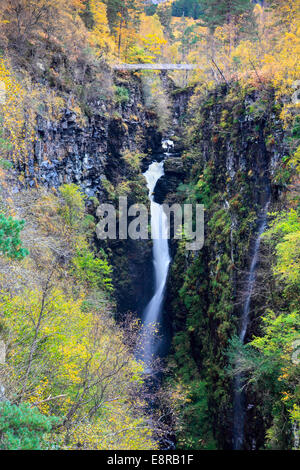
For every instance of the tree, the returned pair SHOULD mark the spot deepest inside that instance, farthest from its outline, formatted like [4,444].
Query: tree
[24,19]
[148,48]
[10,243]
[70,359]
[23,427]
[101,37]
[92,271]
[271,360]
[190,8]
[124,18]
[216,13]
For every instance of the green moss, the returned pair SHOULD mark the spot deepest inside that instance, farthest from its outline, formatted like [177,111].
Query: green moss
[203,285]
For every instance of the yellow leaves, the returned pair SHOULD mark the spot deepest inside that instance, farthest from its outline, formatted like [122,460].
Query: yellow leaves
[19,110]
[76,352]
[149,42]
[39,395]
[116,429]
[283,377]
[12,111]
[245,52]
[285,62]
[100,38]
[99,11]
[288,11]
[288,252]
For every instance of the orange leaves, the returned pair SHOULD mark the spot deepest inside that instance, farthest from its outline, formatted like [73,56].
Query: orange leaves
[78,4]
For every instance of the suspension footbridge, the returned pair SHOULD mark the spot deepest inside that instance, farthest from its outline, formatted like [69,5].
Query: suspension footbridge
[135,67]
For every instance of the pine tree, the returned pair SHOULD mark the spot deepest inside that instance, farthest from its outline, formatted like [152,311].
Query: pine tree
[124,19]
[188,8]
[22,427]
[10,243]
[218,12]
[124,11]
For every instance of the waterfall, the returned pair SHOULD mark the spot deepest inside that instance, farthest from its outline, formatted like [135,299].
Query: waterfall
[161,261]
[238,404]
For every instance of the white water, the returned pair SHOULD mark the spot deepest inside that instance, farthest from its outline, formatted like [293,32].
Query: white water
[168,145]
[161,261]
[239,411]
[252,273]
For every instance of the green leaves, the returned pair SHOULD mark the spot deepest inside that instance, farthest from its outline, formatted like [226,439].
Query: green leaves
[23,427]
[122,94]
[10,243]
[285,230]
[187,8]
[72,209]
[268,361]
[216,13]
[94,272]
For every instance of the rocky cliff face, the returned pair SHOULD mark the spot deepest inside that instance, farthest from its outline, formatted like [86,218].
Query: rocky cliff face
[83,152]
[233,148]
[84,149]
[87,149]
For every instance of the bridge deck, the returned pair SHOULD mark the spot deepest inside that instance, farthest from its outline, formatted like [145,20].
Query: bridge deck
[155,67]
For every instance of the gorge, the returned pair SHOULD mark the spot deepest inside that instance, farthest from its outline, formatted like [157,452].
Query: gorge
[129,343]
[235,170]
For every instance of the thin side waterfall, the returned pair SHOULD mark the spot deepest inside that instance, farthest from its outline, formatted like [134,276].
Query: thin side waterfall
[161,261]
[238,404]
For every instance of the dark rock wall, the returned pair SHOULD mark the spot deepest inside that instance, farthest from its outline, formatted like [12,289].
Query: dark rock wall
[233,147]
[88,152]
[84,152]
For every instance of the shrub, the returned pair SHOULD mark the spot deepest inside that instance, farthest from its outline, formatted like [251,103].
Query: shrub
[72,209]
[122,94]
[94,272]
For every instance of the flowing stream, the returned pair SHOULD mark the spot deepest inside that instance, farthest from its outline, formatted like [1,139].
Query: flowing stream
[238,404]
[161,261]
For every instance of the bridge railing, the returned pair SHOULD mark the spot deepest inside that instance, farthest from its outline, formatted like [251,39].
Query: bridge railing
[155,66]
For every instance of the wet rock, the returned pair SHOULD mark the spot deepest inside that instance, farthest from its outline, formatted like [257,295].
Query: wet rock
[174,166]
